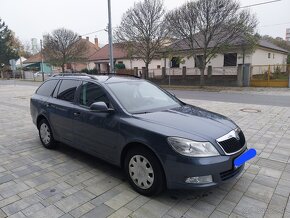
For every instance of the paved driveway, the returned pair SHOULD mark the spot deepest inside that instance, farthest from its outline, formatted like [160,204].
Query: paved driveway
[36,182]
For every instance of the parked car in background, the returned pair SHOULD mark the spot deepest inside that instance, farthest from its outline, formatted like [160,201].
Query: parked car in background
[159,141]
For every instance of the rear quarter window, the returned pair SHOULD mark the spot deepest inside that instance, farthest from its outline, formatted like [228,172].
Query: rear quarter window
[47,88]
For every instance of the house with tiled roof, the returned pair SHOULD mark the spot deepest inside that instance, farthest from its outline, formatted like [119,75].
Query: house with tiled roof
[101,59]
[264,53]
[34,62]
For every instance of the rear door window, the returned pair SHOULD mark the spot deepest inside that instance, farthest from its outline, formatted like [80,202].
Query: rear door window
[47,88]
[67,90]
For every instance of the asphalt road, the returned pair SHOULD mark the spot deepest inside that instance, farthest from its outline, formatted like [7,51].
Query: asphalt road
[259,99]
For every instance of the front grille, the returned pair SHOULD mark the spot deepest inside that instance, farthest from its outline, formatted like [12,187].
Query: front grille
[231,173]
[233,145]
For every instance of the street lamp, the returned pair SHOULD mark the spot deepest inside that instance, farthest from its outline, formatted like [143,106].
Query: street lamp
[112,70]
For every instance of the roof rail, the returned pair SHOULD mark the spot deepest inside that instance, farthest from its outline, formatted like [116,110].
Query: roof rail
[92,76]
[118,74]
[74,74]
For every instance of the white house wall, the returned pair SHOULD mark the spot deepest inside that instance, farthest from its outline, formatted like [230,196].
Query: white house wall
[260,57]
[217,61]
[261,61]
[140,63]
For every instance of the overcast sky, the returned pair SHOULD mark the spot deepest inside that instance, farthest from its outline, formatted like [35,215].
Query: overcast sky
[33,18]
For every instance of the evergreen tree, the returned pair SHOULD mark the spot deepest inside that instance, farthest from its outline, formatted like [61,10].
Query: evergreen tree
[6,48]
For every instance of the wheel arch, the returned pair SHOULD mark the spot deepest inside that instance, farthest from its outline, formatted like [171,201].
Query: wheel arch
[39,118]
[140,144]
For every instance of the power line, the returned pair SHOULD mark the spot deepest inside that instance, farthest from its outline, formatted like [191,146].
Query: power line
[277,24]
[247,6]
[262,3]
[93,32]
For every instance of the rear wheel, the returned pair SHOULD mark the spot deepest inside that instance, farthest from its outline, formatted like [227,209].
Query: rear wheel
[144,171]
[45,134]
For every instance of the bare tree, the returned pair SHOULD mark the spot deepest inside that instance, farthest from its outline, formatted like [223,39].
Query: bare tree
[63,46]
[142,30]
[210,27]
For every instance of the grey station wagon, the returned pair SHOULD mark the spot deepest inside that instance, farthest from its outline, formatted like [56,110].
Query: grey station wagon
[159,141]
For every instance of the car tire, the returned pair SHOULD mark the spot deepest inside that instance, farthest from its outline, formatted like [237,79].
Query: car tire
[45,134]
[144,171]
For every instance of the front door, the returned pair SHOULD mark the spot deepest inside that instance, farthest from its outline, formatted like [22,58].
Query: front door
[95,132]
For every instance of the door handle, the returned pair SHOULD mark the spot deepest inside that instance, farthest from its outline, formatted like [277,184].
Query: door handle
[76,114]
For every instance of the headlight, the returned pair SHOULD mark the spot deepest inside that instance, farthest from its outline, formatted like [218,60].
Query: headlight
[191,148]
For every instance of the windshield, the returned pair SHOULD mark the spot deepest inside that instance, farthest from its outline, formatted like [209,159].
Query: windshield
[142,97]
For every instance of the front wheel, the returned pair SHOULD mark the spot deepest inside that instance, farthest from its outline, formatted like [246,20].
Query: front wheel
[45,134]
[144,171]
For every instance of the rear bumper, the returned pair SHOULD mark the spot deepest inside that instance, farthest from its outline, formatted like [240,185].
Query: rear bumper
[179,168]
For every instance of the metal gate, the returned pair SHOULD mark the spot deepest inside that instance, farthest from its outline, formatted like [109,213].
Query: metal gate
[270,75]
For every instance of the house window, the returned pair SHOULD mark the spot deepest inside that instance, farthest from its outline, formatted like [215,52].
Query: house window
[230,59]
[198,61]
[269,55]
[273,56]
[158,66]
[175,62]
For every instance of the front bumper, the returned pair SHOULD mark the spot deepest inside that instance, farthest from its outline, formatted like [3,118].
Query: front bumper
[178,168]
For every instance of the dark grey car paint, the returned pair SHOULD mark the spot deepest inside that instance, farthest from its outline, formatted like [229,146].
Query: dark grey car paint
[105,135]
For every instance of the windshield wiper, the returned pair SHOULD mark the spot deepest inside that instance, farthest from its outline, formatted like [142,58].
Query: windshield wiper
[143,112]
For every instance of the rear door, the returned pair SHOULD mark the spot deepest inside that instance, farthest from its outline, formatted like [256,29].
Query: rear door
[38,101]
[61,109]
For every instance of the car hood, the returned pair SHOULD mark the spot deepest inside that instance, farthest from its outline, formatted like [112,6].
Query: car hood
[192,120]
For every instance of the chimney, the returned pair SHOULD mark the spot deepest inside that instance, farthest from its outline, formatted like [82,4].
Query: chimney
[88,38]
[97,42]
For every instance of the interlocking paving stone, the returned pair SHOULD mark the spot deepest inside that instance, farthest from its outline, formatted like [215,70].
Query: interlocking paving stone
[73,201]
[121,213]
[266,181]
[32,209]
[121,199]
[51,212]
[226,206]
[270,172]
[6,178]
[218,214]
[68,183]
[273,214]
[99,211]
[250,207]
[152,208]
[278,203]
[20,205]
[2,214]
[260,192]
[83,209]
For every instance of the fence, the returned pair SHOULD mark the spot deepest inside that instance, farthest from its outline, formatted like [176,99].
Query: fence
[215,71]
[270,75]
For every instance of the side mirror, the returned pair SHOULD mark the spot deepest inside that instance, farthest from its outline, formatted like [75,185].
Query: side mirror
[100,107]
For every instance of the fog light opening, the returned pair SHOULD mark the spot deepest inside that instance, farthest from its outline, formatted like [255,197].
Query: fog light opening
[199,179]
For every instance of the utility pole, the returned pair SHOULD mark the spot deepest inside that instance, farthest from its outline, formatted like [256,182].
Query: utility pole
[41,61]
[112,67]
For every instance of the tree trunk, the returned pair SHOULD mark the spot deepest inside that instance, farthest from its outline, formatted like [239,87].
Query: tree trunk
[62,68]
[202,77]
[146,70]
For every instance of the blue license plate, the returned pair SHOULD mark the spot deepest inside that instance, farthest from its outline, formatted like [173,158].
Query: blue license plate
[243,158]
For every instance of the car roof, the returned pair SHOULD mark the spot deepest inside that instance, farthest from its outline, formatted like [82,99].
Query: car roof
[106,78]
